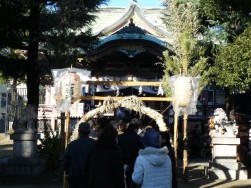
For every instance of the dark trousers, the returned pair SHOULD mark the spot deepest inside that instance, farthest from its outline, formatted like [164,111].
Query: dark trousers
[129,182]
[77,183]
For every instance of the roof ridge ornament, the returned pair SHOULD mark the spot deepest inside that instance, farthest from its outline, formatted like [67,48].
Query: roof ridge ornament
[131,21]
[134,9]
[131,28]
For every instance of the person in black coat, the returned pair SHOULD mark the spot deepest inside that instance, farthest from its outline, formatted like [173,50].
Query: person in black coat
[76,157]
[105,162]
[130,143]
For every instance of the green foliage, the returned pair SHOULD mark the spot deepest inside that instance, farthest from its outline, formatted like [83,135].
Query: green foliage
[50,148]
[226,19]
[165,85]
[219,22]
[45,31]
[180,15]
[2,79]
[212,9]
[188,53]
[232,67]
[10,69]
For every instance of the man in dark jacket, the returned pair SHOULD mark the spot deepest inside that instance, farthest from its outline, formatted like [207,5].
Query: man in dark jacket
[76,157]
[130,143]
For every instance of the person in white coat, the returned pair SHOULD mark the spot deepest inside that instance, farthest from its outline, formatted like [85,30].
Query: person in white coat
[153,167]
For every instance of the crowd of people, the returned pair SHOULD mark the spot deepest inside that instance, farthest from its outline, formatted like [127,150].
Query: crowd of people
[117,154]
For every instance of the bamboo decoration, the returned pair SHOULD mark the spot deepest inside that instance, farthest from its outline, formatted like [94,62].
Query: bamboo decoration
[185,140]
[185,95]
[175,138]
[67,126]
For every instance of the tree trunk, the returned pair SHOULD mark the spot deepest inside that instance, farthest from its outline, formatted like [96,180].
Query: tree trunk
[32,60]
[33,67]
[229,102]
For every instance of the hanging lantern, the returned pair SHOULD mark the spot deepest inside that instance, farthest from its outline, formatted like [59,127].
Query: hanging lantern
[70,86]
[183,91]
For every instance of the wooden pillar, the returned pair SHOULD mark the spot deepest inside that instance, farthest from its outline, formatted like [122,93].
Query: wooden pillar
[62,131]
[185,142]
[67,128]
[62,142]
[66,139]
[175,138]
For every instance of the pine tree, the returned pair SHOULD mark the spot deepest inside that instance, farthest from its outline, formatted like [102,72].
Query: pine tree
[187,53]
[42,32]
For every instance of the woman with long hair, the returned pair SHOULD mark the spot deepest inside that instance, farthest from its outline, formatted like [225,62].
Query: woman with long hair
[105,165]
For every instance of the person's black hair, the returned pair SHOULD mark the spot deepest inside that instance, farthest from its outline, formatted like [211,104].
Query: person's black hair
[133,126]
[108,136]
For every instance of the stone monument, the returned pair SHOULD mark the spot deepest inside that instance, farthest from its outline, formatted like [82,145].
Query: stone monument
[25,160]
[224,164]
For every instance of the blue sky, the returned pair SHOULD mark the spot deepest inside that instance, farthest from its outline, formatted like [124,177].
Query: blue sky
[142,3]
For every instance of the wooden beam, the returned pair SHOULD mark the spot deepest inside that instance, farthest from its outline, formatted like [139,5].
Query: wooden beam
[124,83]
[101,98]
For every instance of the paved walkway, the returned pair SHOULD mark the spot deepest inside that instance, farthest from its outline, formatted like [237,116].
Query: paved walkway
[196,179]
[45,180]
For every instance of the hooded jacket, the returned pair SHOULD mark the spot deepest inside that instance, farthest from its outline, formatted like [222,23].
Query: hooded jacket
[153,168]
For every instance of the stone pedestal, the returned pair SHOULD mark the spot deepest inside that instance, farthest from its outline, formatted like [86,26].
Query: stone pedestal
[224,164]
[25,160]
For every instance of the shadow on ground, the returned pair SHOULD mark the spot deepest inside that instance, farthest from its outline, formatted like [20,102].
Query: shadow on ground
[197,177]
[47,178]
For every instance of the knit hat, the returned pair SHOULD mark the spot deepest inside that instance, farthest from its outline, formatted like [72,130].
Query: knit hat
[84,128]
[151,139]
